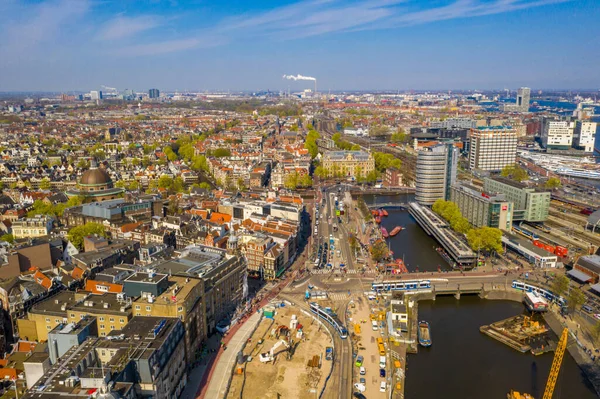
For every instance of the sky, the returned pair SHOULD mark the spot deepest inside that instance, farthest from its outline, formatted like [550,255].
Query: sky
[177,45]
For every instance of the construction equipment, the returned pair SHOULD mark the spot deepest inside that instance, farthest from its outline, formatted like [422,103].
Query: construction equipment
[277,332]
[554,370]
[270,356]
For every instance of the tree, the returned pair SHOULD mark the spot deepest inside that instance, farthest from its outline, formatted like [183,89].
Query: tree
[187,151]
[575,298]
[311,143]
[9,238]
[241,184]
[560,285]
[45,184]
[165,182]
[171,156]
[77,234]
[205,185]
[384,160]
[321,172]
[379,251]
[378,130]
[515,172]
[199,163]
[475,240]
[485,238]
[552,183]
[178,185]
[372,176]
[291,181]
[305,181]
[460,224]
[399,137]
[221,152]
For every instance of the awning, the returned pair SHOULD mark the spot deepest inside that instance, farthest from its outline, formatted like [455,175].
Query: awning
[579,275]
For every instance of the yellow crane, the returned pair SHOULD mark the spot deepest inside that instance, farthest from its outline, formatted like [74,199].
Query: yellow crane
[554,370]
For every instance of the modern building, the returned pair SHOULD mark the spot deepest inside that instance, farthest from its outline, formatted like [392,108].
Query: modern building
[556,134]
[584,135]
[435,173]
[95,95]
[348,163]
[154,93]
[522,102]
[529,204]
[538,256]
[482,209]
[492,148]
[95,185]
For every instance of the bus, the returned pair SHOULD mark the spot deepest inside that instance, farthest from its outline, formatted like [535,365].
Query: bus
[330,318]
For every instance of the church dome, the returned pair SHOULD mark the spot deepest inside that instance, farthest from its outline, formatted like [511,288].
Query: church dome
[95,177]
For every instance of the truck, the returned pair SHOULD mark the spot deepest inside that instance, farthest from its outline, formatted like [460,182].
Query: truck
[329,353]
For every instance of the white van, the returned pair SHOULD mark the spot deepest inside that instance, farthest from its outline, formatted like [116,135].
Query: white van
[381,362]
[374,325]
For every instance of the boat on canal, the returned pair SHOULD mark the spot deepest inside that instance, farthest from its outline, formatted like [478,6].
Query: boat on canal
[377,219]
[424,334]
[380,212]
[396,230]
[384,232]
[384,212]
[401,267]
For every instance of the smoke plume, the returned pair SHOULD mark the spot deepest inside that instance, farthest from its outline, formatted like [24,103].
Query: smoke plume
[298,77]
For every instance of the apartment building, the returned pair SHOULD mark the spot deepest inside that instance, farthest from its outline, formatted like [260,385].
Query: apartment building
[556,134]
[584,135]
[31,227]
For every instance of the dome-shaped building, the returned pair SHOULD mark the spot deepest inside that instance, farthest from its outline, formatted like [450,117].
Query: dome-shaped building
[96,186]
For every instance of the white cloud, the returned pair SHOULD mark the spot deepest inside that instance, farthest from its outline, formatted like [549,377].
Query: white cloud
[122,27]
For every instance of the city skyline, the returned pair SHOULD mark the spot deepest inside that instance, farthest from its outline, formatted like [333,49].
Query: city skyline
[58,45]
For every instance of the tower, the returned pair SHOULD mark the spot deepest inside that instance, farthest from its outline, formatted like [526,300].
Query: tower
[523,97]
[232,243]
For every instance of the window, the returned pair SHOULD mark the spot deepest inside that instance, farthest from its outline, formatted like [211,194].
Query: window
[48,328]
[81,316]
[101,318]
[180,309]
[148,308]
[47,320]
[137,307]
[103,334]
[57,321]
[112,319]
[112,327]
[121,321]
[102,326]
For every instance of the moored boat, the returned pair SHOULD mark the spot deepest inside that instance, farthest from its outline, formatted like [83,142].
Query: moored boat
[377,219]
[424,334]
[384,232]
[380,212]
[385,213]
[374,213]
[396,230]
[401,266]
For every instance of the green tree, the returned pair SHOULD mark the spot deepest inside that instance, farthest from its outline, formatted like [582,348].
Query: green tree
[221,152]
[305,181]
[399,137]
[45,184]
[560,285]
[515,172]
[372,176]
[78,233]
[9,238]
[241,184]
[379,251]
[187,151]
[165,182]
[552,183]
[575,298]
[178,185]
[460,224]
[355,147]
[321,172]
[291,181]
[171,156]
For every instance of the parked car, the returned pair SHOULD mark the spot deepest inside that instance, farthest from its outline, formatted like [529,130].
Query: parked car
[360,387]
[383,386]
[363,371]
[382,373]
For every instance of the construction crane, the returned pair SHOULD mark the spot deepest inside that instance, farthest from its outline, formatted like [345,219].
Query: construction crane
[554,370]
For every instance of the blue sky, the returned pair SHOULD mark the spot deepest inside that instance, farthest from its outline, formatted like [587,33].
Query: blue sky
[181,45]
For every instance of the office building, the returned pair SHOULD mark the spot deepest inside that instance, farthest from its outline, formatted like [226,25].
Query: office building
[348,163]
[482,209]
[95,95]
[453,123]
[557,135]
[153,93]
[436,172]
[584,135]
[529,204]
[491,148]
[522,102]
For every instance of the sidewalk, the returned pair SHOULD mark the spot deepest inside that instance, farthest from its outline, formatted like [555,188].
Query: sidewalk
[217,387]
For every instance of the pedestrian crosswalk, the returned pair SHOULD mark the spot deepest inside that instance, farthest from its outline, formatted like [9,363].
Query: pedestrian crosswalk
[338,271]
[338,296]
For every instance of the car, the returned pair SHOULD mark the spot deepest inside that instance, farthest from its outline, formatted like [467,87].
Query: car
[363,371]
[597,316]
[383,386]
[363,381]
[359,395]
[382,373]
[360,387]
[359,361]
[587,308]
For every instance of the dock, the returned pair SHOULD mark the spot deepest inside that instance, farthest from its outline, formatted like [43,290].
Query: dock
[522,334]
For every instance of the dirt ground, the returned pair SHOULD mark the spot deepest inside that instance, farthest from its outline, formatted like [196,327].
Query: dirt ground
[283,378]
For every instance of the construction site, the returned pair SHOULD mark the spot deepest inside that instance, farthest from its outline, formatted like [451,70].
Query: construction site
[284,358]
[521,333]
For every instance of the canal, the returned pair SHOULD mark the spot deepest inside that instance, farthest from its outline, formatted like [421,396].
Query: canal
[463,362]
[411,244]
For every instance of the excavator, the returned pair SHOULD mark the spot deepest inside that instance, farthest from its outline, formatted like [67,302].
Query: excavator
[554,370]
[270,356]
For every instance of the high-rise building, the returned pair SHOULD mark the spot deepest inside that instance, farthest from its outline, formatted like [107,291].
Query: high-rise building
[557,134]
[95,95]
[492,147]
[153,93]
[436,172]
[584,135]
[523,96]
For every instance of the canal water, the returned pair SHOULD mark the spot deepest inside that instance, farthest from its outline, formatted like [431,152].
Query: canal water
[464,363]
[411,244]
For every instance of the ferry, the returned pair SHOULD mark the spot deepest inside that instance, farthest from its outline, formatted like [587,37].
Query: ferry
[424,334]
[396,230]
[384,232]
